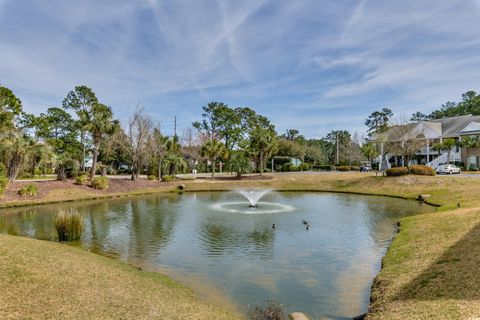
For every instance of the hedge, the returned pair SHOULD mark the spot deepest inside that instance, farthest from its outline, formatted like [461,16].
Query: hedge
[343,168]
[422,170]
[400,171]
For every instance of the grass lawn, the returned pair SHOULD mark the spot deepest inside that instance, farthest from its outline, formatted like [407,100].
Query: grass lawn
[430,271]
[46,280]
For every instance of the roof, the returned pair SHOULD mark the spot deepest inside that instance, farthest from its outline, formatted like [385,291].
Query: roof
[454,126]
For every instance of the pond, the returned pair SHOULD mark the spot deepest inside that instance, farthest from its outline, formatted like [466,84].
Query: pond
[214,242]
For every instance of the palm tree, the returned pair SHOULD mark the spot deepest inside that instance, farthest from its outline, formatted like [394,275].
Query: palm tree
[263,142]
[447,146]
[240,163]
[174,162]
[212,150]
[469,143]
[16,148]
[101,125]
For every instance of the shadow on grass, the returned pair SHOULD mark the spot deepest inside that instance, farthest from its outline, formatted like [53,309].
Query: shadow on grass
[455,275]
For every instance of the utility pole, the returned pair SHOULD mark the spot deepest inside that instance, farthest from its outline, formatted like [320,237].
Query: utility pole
[175,126]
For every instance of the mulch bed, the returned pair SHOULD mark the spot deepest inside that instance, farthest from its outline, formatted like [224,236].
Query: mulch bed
[117,185]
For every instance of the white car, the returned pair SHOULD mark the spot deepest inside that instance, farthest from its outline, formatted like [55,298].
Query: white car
[447,169]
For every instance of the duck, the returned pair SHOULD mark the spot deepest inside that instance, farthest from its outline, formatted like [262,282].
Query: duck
[307,227]
[273,226]
[305,222]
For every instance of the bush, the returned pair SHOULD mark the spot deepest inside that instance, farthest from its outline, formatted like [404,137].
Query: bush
[343,168]
[354,168]
[473,168]
[81,180]
[28,190]
[399,171]
[3,183]
[100,183]
[151,177]
[287,166]
[294,168]
[305,167]
[168,178]
[273,311]
[69,225]
[324,167]
[422,170]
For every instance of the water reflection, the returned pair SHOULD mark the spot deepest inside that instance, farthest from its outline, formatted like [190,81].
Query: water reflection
[326,270]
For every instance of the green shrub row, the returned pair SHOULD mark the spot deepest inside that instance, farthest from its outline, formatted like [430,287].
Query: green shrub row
[421,170]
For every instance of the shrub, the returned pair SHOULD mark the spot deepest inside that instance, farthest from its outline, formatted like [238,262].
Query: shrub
[3,183]
[100,183]
[28,190]
[305,167]
[81,180]
[294,168]
[472,167]
[422,170]
[272,311]
[343,168]
[399,171]
[69,225]
[287,166]
[168,178]
[324,167]
[151,177]
[354,168]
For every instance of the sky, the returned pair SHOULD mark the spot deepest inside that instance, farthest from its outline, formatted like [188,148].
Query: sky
[315,66]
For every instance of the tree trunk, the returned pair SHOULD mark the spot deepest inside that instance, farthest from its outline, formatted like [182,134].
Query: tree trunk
[213,169]
[94,160]
[82,141]
[261,163]
[14,167]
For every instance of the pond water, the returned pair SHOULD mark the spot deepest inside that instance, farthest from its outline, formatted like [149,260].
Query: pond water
[215,243]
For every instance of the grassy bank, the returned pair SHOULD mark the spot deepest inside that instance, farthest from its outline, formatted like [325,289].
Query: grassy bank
[45,280]
[430,271]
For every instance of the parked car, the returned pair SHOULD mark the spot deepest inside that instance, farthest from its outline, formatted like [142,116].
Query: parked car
[365,168]
[447,169]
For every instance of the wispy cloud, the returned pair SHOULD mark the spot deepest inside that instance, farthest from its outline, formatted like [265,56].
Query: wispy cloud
[316,65]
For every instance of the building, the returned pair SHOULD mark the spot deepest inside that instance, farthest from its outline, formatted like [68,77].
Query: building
[430,132]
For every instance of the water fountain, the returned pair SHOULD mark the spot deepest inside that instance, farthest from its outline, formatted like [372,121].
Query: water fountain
[253,196]
[253,204]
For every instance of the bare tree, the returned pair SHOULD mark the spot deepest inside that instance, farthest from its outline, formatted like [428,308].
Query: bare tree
[135,140]
[405,140]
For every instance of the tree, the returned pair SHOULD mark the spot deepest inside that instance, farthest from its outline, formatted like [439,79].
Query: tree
[419,116]
[138,141]
[339,142]
[101,125]
[174,160]
[15,149]
[212,150]
[263,140]
[445,145]
[469,143]
[10,107]
[369,151]
[81,100]
[57,128]
[240,163]
[377,121]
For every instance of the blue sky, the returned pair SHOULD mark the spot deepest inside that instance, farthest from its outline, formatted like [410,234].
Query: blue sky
[311,65]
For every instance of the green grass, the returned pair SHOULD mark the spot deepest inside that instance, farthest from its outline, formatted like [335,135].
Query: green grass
[46,280]
[430,271]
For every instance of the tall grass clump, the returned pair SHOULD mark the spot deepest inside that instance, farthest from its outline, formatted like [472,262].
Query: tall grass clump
[28,190]
[69,225]
[100,183]
[81,180]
